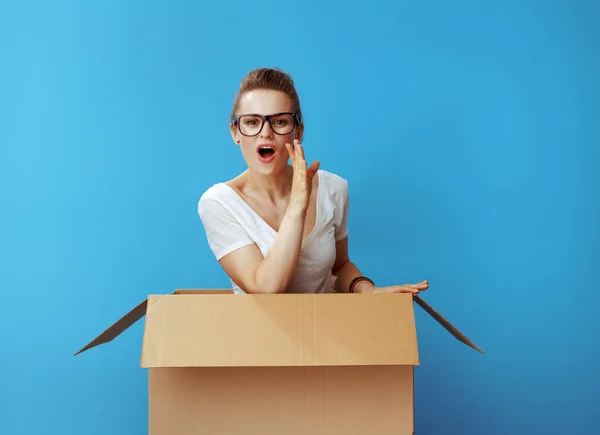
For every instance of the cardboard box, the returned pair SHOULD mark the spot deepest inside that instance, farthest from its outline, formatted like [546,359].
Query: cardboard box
[286,364]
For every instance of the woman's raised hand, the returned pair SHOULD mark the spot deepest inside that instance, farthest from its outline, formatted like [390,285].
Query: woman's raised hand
[303,177]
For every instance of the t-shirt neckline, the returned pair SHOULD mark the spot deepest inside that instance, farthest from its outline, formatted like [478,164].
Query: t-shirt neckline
[269,227]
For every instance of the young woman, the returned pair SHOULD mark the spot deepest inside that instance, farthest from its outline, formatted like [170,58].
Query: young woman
[280,228]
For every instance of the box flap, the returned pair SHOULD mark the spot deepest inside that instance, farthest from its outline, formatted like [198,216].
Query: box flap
[190,330]
[437,316]
[131,318]
[118,327]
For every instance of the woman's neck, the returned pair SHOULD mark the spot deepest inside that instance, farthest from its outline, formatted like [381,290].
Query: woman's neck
[274,188]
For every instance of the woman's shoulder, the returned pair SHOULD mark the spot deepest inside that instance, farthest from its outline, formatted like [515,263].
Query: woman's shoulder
[223,191]
[217,192]
[218,200]
[333,183]
[332,179]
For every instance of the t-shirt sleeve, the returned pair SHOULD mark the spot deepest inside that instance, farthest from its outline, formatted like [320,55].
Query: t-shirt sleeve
[223,231]
[341,229]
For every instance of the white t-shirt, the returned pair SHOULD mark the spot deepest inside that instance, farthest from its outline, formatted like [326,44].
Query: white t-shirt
[230,223]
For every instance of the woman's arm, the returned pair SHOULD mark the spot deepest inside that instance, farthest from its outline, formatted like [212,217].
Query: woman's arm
[345,271]
[273,273]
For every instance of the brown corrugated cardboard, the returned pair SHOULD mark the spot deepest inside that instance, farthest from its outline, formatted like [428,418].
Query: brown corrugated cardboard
[335,400]
[279,330]
[289,364]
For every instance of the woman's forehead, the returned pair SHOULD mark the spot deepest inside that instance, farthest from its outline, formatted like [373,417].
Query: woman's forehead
[265,102]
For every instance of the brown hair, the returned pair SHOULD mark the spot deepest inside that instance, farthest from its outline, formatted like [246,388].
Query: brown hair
[272,79]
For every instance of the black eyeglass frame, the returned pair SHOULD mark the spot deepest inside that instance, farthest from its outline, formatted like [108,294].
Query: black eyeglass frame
[236,121]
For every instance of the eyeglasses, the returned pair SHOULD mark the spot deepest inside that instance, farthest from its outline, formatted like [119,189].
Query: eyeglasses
[252,124]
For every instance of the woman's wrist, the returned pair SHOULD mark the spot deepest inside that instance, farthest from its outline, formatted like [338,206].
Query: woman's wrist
[361,284]
[296,212]
[364,287]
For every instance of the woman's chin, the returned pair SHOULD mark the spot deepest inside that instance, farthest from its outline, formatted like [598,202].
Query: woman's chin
[271,168]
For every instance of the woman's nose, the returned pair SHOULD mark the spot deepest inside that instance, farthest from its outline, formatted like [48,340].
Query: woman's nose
[266,131]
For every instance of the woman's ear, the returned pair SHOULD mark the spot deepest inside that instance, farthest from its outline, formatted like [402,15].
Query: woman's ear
[234,134]
[300,132]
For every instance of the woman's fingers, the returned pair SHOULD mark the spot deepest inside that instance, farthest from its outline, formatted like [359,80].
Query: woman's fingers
[299,150]
[291,151]
[312,170]
[403,289]
[422,285]
[407,288]
[296,153]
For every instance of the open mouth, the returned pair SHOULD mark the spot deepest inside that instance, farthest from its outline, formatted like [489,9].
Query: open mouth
[266,152]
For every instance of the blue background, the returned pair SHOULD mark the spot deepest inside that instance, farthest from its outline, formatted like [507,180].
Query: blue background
[468,131]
